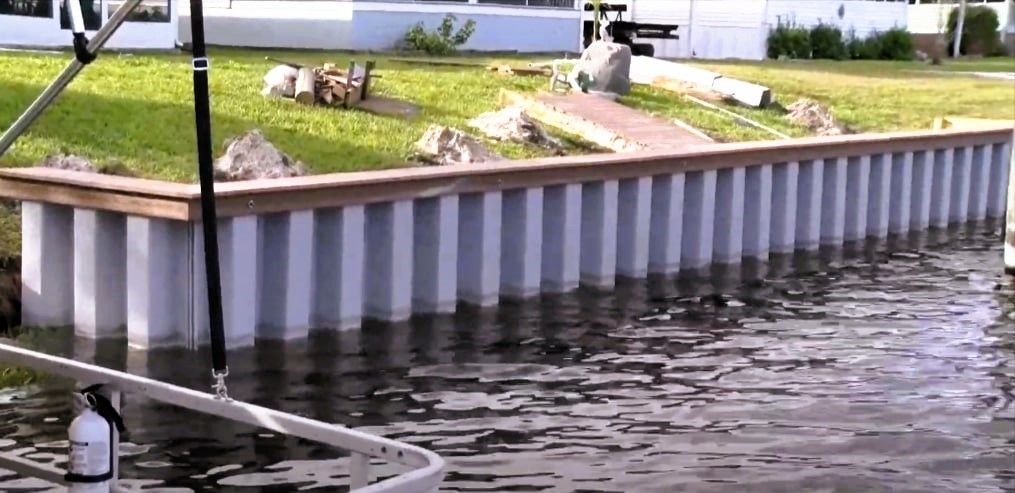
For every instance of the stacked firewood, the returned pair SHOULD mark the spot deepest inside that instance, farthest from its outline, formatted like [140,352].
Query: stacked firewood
[325,85]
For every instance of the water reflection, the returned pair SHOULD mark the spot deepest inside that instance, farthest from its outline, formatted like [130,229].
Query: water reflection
[863,371]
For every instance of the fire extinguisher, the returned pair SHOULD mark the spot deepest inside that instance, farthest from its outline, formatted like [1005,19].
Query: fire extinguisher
[90,465]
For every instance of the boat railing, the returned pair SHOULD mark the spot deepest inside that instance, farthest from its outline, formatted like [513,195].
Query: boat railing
[427,467]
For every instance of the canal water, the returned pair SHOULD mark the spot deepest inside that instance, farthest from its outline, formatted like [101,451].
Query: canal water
[885,372]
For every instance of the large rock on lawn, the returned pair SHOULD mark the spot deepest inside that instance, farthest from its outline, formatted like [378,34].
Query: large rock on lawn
[609,65]
[512,124]
[252,157]
[442,146]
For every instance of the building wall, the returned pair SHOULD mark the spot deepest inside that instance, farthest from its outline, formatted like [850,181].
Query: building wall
[18,30]
[381,25]
[739,28]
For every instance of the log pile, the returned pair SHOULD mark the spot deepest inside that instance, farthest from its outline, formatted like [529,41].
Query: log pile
[326,85]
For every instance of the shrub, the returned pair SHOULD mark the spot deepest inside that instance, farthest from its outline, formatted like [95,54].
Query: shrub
[868,48]
[826,42]
[441,42]
[789,41]
[896,44]
[979,31]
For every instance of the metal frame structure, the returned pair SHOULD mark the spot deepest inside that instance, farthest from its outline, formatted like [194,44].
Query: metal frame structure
[424,478]
[428,467]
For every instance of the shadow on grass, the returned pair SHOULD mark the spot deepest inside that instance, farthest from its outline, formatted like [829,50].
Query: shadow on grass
[156,139]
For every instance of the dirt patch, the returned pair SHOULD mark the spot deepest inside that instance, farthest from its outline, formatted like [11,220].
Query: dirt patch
[816,117]
[73,162]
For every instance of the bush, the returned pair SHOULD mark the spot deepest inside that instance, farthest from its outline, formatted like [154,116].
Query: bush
[896,44]
[979,31]
[789,41]
[826,42]
[442,41]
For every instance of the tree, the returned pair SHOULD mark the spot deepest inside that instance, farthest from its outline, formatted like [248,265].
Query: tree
[958,29]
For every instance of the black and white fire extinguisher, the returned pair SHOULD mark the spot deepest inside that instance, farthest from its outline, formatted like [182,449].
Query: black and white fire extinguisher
[90,465]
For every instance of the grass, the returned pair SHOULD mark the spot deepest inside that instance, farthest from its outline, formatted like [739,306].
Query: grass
[867,96]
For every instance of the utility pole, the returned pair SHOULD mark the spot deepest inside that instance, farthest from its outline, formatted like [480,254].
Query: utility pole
[958,29]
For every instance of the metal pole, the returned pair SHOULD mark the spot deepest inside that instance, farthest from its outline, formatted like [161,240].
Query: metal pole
[64,79]
[209,217]
[959,26]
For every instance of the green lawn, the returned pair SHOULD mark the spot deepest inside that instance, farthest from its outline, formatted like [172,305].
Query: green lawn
[136,109]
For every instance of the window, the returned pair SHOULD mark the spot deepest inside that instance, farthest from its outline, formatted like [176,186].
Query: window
[30,8]
[91,10]
[565,4]
[148,11]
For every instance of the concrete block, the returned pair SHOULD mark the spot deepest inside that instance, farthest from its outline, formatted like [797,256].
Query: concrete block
[562,213]
[940,192]
[833,206]
[599,234]
[100,274]
[961,178]
[479,231]
[665,234]
[1001,160]
[47,265]
[879,198]
[159,282]
[979,185]
[922,191]
[435,255]
[809,202]
[339,258]
[758,211]
[699,220]
[287,254]
[858,187]
[522,242]
[634,224]
[388,274]
[785,181]
[729,216]
[239,272]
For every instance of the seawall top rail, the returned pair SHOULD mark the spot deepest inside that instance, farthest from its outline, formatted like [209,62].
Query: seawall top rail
[178,201]
[428,467]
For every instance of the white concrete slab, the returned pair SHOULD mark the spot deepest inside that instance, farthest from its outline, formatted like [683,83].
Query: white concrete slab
[562,212]
[922,192]
[388,273]
[633,227]
[435,255]
[858,185]
[961,179]
[699,219]
[599,234]
[665,237]
[758,211]
[479,231]
[729,216]
[159,282]
[1000,163]
[833,206]
[940,191]
[979,185]
[47,265]
[522,242]
[785,180]
[879,198]
[809,202]
[100,274]
[340,255]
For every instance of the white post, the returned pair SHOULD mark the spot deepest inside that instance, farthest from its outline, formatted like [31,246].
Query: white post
[47,265]
[665,234]
[340,254]
[699,220]
[858,187]
[923,183]
[287,247]
[961,177]
[633,227]
[435,255]
[758,211]
[729,216]
[785,179]
[388,274]
[980,182]
[100,273]
[159,282]
[1009,245]
[599,234]
[833,207]
[880,196]
[522,242]
[959,28]
[562,212]
[940,194]
[808,218]
[479,230]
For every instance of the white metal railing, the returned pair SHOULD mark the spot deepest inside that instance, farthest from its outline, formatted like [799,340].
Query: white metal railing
[428,467]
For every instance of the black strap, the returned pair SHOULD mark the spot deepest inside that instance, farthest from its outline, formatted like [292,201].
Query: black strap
[81,49]
[209,218]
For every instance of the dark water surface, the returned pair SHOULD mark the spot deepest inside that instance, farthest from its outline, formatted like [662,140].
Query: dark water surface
[891,372]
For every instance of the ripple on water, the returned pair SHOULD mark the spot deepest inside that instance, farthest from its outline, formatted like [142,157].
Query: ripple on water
[894,373]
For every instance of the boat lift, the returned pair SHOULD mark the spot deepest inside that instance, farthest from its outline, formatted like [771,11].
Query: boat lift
[427,467]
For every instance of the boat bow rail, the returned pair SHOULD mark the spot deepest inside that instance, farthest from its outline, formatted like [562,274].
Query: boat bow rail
[427,467]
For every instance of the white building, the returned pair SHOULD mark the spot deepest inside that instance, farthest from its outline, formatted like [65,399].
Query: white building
[41,23]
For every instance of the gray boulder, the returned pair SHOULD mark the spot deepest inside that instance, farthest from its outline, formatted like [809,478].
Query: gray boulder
[252,157]
[512,124]
[609,66]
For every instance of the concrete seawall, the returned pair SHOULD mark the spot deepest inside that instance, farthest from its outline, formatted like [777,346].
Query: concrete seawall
[119,257]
